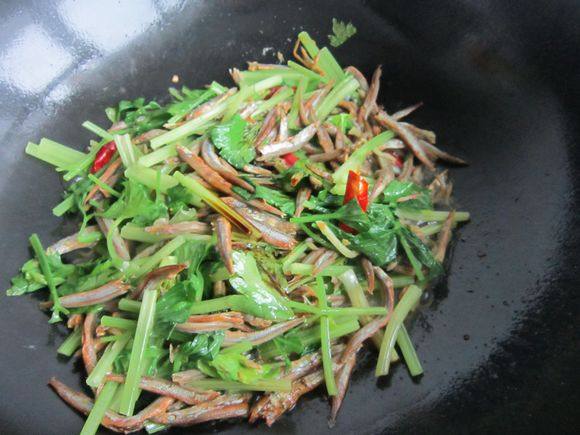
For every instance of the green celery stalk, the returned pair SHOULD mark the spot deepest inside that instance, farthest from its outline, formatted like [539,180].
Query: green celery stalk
[309,44]
[289,76]
[409,352]
[356,159]
[126,149]
[278,385]
[294,255]
[236,101]
[271,102]
[129,305]
[338,93]
[298,97]
[99,409]
[133,232]
[63,206]
[311,336]
[402,280]
[54,153]
[106,361]
[140,344]
[152,261]
[71,343]
[149,177]
[306,269]
[157,156]
[118,322]
[417,266]
[328,63]
[103,186]
[101,132]
[312,76]
[325,339]
[57,308]
[195,126]
[431,215]
[402,309]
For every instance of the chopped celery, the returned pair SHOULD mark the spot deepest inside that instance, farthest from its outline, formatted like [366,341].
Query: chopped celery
[158,156]
[106,361]
[408,352]
[55,153]
[71,343]
[195,126]
[298,98]
[406,304]
[150,177]
[342,90]
[118,322]
[104,186]
[140,343]
[101,132]
[236,101]
[325,339]
[356,159]
[63,206]
[266,105]
[57,308]
[99,409]
[128,152]
[152,261]
[312,76]
[306,269]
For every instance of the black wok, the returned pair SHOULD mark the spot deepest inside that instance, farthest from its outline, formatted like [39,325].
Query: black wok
[501,83]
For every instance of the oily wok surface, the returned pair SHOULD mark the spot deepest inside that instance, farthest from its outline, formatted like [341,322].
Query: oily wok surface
[500,85]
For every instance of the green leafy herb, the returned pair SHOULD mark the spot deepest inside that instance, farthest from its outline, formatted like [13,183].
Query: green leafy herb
[248,281]
[230,138]
[341,32]
[136,203]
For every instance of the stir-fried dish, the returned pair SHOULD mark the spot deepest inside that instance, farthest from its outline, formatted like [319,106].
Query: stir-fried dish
[237,246]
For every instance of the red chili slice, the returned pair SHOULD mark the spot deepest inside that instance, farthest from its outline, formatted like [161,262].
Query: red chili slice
[104,156]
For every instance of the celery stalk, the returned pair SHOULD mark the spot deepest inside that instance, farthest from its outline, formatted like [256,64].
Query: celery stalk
[71,343]
[325,339]
[57,308]
[140,344]
[157,156]
[402,309]
[94,128]
[99,409]
[408,352]
[106,361]
[149,177]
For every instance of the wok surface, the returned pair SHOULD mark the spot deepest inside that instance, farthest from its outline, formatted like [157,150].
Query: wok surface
[500,81]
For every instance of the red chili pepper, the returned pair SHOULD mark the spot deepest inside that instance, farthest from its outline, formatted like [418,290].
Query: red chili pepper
[104,156]
[356,188]
[290,159]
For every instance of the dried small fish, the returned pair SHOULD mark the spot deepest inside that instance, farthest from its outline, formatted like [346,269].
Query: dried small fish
[370,102]
[204,171]
[175,229]
[410,140]
[72,242]
[259,337]
[224,241]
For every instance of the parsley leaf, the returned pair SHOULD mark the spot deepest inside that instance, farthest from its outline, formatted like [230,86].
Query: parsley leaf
[341,32]
[231,138]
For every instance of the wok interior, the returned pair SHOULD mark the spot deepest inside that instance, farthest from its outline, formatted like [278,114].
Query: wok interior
[490,92]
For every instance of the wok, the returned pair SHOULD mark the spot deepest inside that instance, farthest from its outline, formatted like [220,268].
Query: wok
[500,81]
